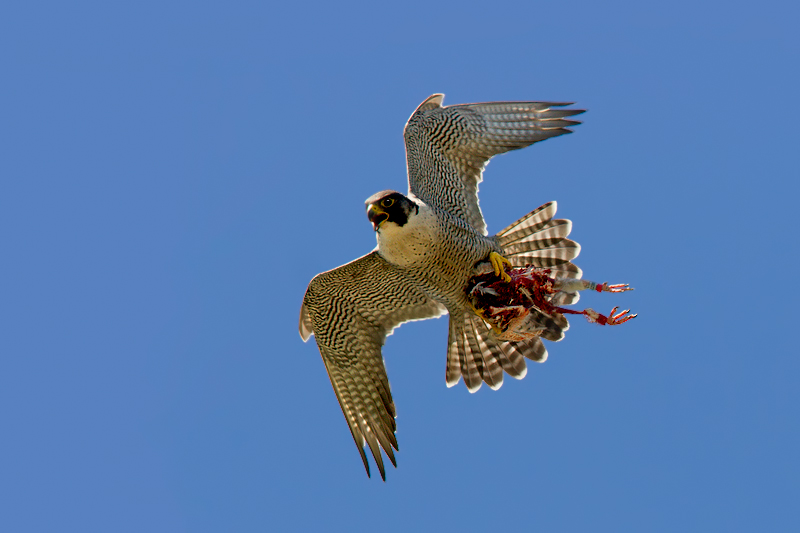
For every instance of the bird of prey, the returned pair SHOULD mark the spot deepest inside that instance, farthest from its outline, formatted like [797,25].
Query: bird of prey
[428,243]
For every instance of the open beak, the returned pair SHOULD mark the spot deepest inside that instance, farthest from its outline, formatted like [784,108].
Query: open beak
[376,215]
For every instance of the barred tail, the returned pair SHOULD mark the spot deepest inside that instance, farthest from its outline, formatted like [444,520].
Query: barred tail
[474,354]
[536,239]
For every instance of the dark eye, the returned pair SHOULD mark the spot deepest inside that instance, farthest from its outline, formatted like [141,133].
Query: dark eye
[387,202]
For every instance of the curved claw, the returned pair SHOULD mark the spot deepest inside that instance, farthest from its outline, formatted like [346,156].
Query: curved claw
[498,263]
[619,318]
[621,287]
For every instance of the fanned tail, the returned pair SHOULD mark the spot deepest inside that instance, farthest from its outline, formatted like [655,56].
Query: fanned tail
[474,354]
[539,240]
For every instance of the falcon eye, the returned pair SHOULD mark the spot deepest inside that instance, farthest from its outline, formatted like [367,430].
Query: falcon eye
[387,202]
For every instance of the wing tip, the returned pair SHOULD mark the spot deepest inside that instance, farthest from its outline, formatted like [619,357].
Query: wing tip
[434,101]
[565,104]
[305,327]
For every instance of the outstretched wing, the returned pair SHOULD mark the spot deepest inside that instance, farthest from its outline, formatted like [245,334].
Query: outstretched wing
[448,147]
[351,310]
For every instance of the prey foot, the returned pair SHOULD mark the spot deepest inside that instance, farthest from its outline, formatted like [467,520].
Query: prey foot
[597,318]
[498,263]
[621,287]
[619,318]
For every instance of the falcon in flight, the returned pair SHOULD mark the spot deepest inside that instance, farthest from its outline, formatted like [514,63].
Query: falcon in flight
[429,242]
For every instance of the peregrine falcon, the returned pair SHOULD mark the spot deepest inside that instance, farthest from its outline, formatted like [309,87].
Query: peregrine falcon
[429,242]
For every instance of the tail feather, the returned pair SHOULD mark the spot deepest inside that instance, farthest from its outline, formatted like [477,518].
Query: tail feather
[473,352]
[513,360]
[527,225]
[492,370]
[535,350]
[477,356]
[532,349]
[471,365]
[555,254]
[538,240]
[551,233]
[453,371]
[563,299]
[462,360]
[554,325]
[567,270]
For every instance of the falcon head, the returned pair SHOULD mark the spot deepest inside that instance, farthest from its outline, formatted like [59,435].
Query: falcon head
[390,207]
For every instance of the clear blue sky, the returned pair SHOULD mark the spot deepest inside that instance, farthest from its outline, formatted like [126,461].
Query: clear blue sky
[172,174]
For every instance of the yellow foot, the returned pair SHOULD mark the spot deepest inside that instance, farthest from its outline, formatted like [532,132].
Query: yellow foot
[498,263]
[495,329]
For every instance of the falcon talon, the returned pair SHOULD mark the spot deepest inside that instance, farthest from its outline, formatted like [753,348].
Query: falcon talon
[498,264]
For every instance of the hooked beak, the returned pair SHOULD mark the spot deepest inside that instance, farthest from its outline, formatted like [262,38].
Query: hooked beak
[376,215]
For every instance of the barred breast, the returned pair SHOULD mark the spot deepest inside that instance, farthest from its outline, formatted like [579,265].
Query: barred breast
[437,251]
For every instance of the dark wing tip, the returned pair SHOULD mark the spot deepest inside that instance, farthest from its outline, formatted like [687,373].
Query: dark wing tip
[364,459]
[560,104]
[560,113]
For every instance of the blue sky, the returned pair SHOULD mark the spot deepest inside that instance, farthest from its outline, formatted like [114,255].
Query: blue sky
[172,174]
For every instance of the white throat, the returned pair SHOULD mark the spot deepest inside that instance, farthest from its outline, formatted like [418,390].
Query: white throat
[412,242]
